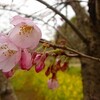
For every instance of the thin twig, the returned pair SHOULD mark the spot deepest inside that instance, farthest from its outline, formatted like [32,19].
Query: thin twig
[79,54]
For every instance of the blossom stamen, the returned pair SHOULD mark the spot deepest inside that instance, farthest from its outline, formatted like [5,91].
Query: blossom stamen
[9,53]
[4,47]
[25,30]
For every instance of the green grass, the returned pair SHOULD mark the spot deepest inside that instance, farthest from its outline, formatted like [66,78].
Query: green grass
[29,85]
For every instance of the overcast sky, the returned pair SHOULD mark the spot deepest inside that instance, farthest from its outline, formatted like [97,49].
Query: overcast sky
[27,7]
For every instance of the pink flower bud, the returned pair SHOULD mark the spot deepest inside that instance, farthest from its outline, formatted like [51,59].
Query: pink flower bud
[8,74]
[53,84]
[39,58]
[39,67]
[26,60]
[36,59]
[33,57]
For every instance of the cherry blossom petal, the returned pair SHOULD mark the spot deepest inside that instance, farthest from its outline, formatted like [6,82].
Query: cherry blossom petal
[3,38]
[37,37]
[5,48]
[18,19]
[25,40]
[9,54]
[26,60]
[9,63]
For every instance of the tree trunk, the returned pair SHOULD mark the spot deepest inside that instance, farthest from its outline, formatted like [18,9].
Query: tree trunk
[90,68]
[91,71]
[6,90]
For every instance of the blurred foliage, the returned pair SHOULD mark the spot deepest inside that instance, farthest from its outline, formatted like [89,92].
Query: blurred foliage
[30,85]
[72,39]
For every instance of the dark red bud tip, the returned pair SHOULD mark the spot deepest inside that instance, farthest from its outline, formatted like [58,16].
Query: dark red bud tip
[58,65]
[47,54]
[34,55]
[53,69]
[48,71]
[54,75]
[64,66]
[44,56]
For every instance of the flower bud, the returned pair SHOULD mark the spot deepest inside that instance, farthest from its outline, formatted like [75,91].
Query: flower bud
[8,74]
[53,69]
[39,67]
[58,65]
[36,59]
[33,57]
[44,56]
[64,66]
[48,71]
[53,84]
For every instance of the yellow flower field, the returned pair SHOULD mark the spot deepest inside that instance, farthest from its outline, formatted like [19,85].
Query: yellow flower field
[30,85]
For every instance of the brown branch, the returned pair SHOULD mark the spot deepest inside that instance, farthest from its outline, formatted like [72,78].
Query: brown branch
[79,54]
[55,13]
[66,20]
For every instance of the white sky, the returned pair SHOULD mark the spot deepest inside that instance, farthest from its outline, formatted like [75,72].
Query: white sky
[29,7]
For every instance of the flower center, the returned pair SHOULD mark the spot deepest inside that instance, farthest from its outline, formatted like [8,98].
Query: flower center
[25,30]
[8,52]
[4,47]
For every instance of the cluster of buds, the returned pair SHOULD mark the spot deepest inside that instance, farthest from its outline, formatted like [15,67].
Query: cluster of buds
[38,59]
[58,65]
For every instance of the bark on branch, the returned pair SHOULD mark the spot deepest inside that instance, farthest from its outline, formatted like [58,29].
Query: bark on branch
[79,54]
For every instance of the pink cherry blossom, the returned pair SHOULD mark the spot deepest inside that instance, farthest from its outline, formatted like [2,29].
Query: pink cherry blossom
[9,54]
[25,33]
[53,84]
[26,60]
